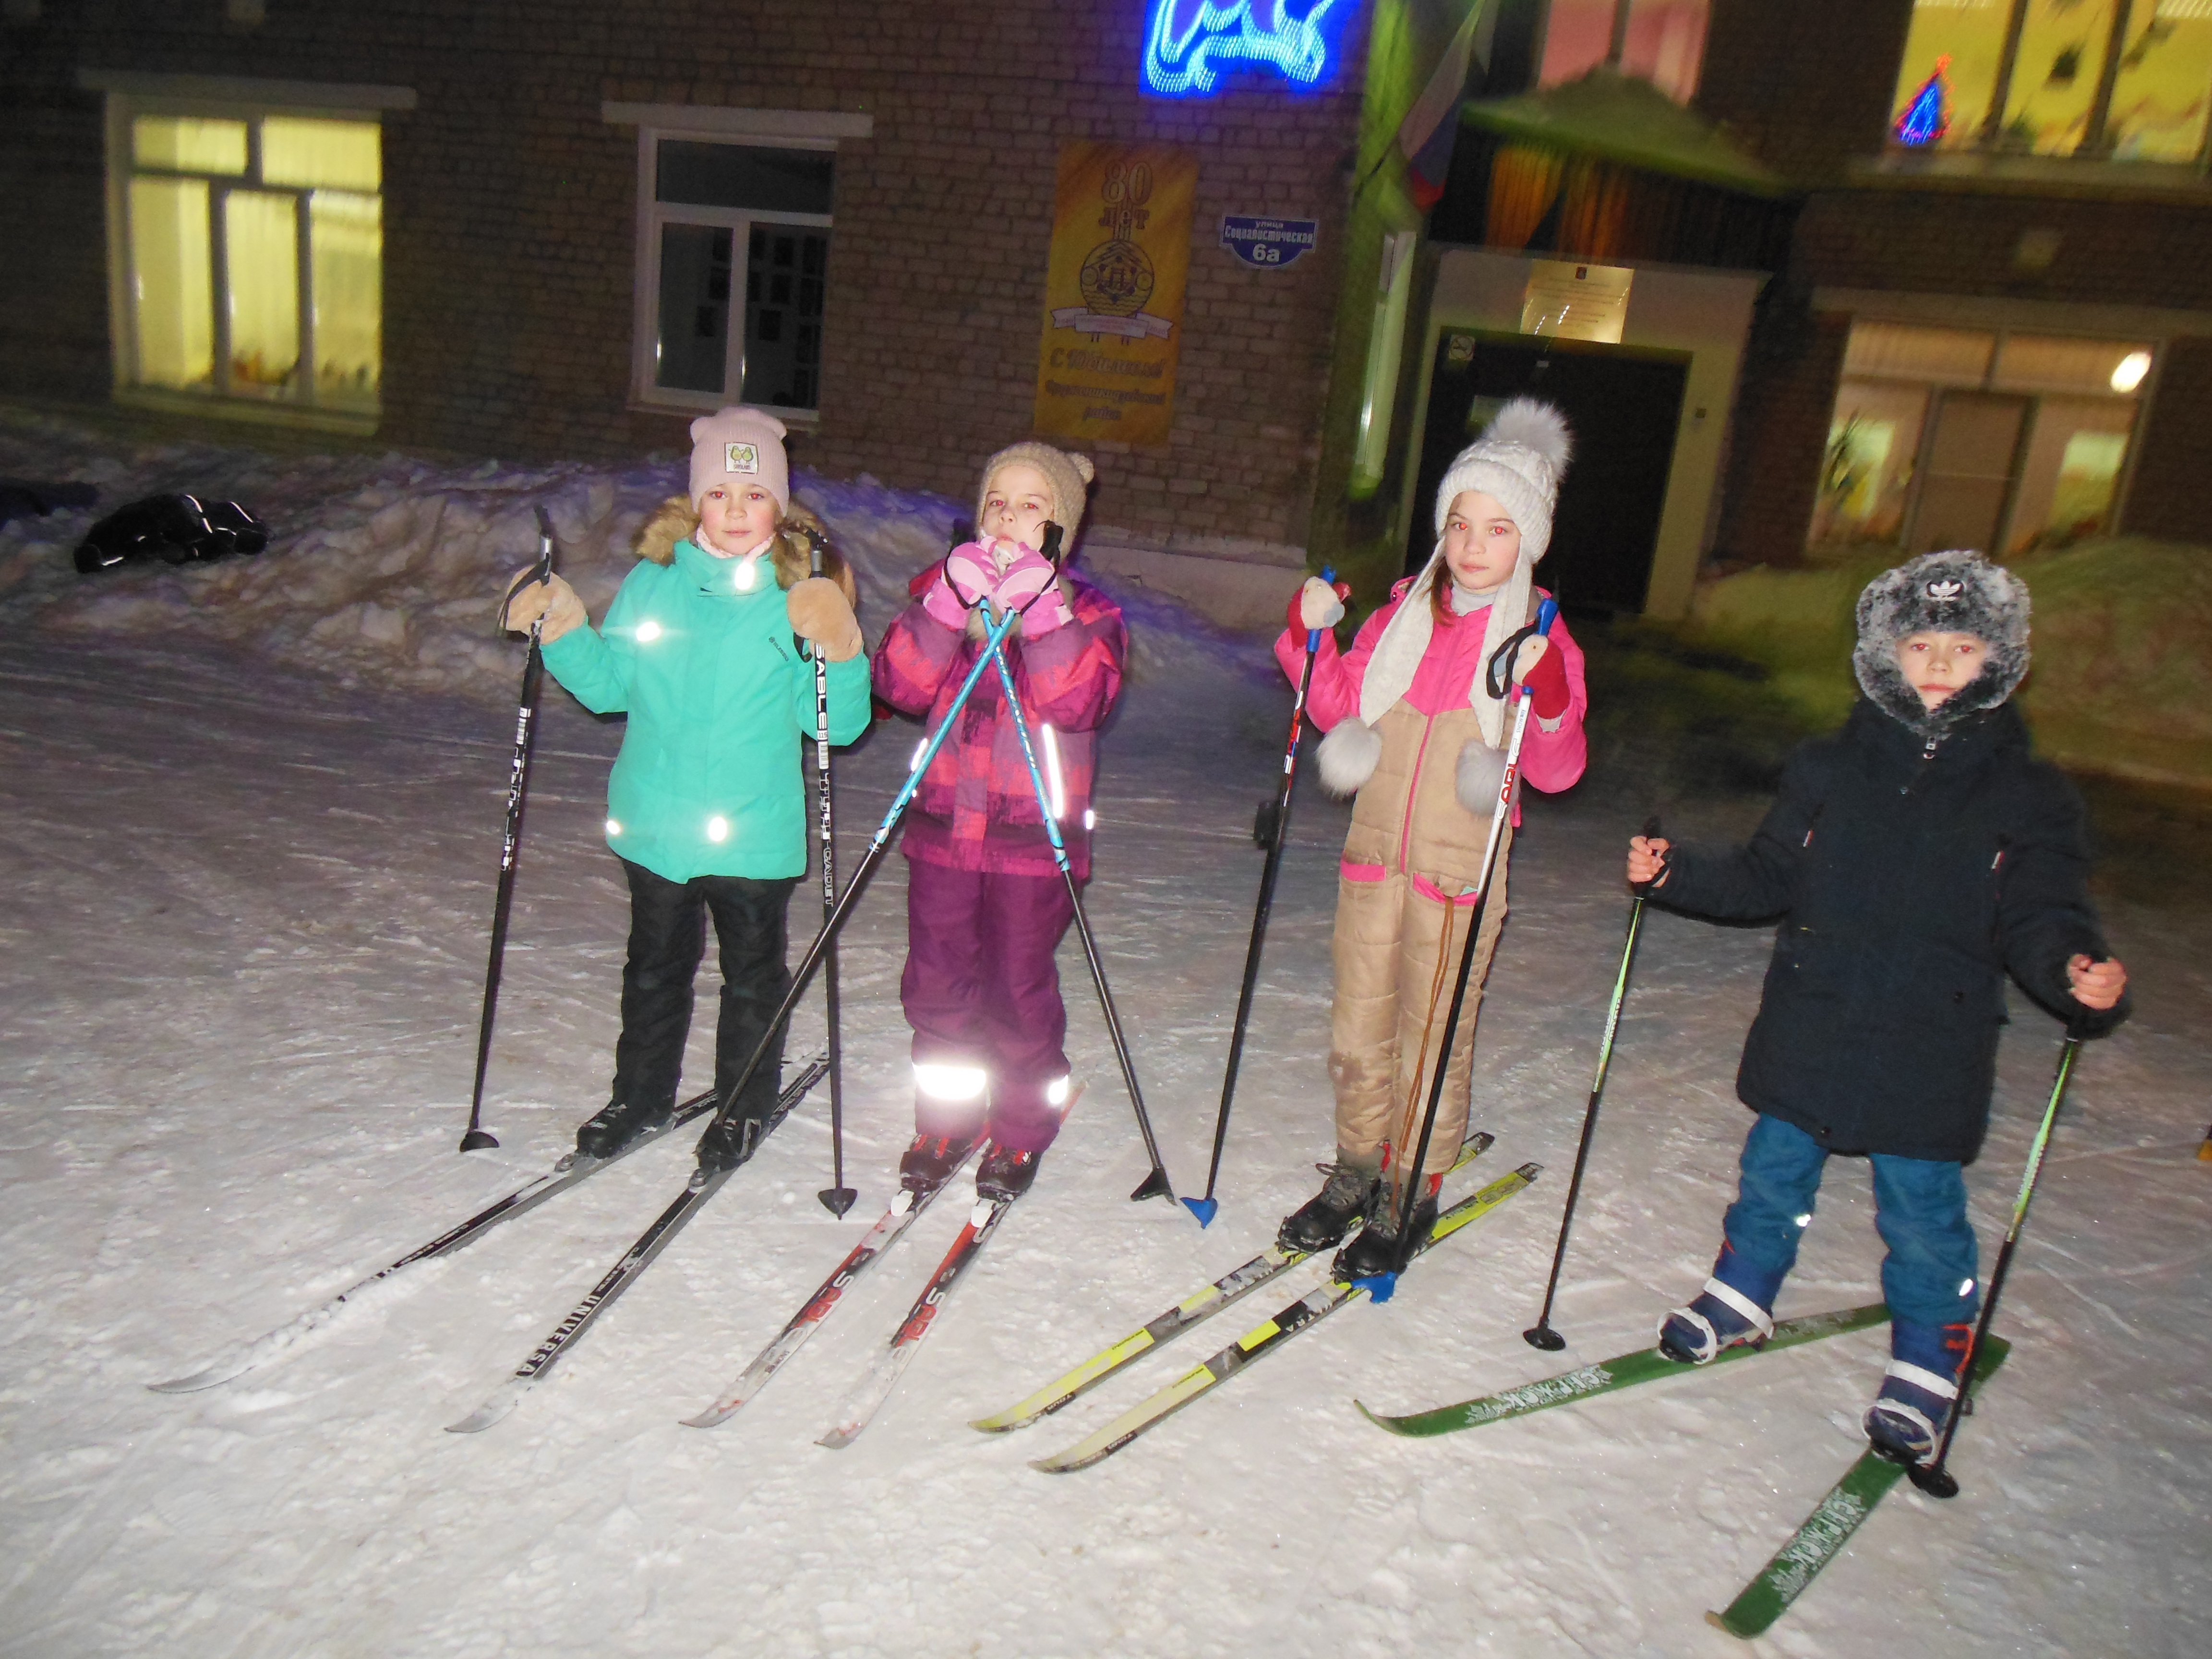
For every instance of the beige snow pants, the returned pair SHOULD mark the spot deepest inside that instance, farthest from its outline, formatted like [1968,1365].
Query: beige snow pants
[1405,899]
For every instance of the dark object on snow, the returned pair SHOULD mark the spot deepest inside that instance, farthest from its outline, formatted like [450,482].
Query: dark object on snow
[22,499]
[174,528]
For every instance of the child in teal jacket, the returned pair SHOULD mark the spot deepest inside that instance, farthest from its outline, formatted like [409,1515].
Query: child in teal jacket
[707,807]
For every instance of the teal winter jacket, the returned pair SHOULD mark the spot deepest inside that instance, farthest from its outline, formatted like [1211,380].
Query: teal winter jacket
[711,780]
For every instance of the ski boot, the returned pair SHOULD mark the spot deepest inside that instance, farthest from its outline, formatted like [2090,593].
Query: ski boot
[1380,1247]
[1006,1173]
[735,1135]
[617,1124]
[1330,1214]
[1920,1389]
[1735,1307]
[930,1162]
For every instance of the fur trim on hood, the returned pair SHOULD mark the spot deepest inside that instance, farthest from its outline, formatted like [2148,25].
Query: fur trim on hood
[1949,593]
[678,520]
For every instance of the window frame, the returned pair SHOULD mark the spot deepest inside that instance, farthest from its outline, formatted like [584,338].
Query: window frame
[653,215]
[1989,143]
[127,97]
[2000,329]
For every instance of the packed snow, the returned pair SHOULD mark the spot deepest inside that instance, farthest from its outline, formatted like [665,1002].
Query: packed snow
[252,817]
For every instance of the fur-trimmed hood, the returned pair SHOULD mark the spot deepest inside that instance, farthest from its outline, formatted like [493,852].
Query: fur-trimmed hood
[677,520]
[1948,592]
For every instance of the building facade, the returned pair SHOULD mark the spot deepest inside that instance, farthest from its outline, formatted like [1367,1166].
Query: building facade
[1888,273]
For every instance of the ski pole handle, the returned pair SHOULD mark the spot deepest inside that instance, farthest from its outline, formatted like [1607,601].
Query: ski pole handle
[1502,660]
[1313,635]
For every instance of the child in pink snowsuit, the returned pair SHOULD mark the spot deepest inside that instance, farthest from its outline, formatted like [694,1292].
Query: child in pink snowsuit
[985,903]
[1414,731]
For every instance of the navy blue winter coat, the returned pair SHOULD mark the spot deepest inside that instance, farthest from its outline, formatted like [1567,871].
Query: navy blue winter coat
[1911,877]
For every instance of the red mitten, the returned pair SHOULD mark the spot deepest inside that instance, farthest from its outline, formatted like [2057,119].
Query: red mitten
[1547,684]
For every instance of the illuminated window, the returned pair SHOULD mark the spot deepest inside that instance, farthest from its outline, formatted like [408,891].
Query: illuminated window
[733,262]
[2130,80]
[1663,41]
[250,258]
[1953,437]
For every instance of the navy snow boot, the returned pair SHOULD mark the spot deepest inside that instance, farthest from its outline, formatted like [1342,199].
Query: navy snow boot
[1736,1306]
[1919,1390]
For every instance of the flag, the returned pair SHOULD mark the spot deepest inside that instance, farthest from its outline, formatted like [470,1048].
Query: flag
[1426,135]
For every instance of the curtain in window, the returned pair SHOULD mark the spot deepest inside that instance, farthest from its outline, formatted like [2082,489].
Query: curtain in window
[1594,215]
[1524,182]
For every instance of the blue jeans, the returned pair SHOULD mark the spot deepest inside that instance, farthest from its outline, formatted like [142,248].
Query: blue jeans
[1920,1209]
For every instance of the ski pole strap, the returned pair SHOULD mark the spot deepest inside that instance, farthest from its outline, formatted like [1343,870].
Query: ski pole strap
[545,544]
[1503,659]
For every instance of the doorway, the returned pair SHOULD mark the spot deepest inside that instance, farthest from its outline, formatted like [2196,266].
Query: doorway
[1624,404]
[1967,484]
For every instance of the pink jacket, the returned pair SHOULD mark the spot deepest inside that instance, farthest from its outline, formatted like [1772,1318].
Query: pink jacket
[1550,760]
[977,808]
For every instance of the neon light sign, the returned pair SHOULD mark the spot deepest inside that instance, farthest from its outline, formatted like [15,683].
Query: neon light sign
[1192,42]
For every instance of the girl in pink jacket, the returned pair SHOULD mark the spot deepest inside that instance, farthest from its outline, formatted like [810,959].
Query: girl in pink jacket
[1414,735]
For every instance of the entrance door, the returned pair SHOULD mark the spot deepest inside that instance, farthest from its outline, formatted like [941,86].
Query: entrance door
[1967,482]
[1624,405]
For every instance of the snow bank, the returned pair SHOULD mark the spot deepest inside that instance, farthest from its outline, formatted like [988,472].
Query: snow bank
[2122,681]
[388,570]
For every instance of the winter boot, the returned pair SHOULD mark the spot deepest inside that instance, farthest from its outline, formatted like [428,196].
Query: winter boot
[1006,1173]
[930,1162]
[1380,1247]
[730,1140]
[1735,1307]
[1330,1214]
[617,1124]
[1920,1389]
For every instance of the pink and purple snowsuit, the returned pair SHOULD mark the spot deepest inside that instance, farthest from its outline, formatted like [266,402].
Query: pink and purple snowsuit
[986,905]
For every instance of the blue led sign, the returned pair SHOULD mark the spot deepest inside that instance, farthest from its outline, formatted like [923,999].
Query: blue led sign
[1190,43]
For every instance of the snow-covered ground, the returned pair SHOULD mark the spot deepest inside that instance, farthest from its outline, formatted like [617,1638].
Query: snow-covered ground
[250,819]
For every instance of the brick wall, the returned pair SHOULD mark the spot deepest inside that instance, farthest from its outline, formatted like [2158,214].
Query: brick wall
[2171,495]
[1805,85]
[1780,431]
[510,212]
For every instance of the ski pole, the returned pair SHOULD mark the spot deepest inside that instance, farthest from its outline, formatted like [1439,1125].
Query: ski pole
[1279,822]
[881,839]
[1542,1336]
[518,784]
[1501,815]
[1932,1477]
[837,1197]
[1155,1185]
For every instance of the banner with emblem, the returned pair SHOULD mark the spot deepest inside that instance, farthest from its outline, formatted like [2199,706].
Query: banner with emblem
[1114,293]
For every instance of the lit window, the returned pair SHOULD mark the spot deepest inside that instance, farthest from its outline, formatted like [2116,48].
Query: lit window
[2125,79]
[252,258]
[2003,442]
[732,263]
[1664,42]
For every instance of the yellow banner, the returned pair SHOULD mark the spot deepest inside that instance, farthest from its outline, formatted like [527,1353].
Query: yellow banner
[1113,308]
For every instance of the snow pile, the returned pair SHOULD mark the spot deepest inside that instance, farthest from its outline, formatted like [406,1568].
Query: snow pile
[2122,681]
[388,570]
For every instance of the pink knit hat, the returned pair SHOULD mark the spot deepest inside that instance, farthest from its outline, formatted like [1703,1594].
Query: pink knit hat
[743,446]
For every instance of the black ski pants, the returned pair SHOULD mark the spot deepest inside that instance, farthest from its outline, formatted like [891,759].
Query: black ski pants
[668,936]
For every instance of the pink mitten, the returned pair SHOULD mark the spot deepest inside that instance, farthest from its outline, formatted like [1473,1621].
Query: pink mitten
[969,572]
[1031,587]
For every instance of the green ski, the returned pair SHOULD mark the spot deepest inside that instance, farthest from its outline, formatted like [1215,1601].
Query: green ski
[1609,1376]
[1827,1529]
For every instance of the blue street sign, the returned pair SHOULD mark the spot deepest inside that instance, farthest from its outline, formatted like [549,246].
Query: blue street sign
[1267,244]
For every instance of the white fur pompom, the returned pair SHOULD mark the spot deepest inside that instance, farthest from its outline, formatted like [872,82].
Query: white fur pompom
[1481,769]
[1347,755]
[1533,425]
